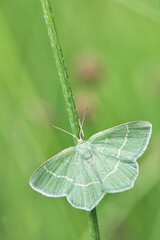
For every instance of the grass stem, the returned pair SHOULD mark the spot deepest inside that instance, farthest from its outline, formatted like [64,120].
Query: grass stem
[93,225]
[68,95]
[61,67]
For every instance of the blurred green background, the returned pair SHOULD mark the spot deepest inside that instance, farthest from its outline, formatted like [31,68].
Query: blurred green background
[112,51]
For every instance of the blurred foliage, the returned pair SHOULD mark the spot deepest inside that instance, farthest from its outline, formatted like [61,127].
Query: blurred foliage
[124,38]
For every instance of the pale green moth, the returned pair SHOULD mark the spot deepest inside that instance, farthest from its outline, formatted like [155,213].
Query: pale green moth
[105,163]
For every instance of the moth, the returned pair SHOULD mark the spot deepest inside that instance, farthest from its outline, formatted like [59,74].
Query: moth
[105,163]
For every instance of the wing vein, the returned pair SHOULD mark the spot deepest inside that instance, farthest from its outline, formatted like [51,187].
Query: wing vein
[118,155]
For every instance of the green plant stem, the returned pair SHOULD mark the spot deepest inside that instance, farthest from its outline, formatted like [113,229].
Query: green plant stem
[61,67]
[68,95]
[93,225]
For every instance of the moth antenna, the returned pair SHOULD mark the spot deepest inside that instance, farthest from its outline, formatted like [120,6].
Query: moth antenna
[81,130]
[64,131]
[81,125]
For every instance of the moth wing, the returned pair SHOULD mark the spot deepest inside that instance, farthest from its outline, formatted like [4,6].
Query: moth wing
[86,190]
[54,177]
[68,174]
[115,153]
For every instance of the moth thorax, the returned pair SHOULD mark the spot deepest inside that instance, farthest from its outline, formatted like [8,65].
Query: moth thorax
[87,155]
[85,151]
